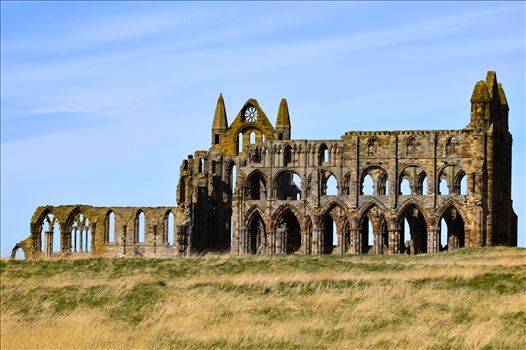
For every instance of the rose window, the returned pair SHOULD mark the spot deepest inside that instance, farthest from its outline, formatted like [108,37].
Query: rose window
[251,114]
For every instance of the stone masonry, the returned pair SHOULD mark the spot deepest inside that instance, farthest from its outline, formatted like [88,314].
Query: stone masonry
[257,191]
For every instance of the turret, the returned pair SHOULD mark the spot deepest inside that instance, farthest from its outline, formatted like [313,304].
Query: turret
[220,124]
[488,104]
[480,106]
[283,128]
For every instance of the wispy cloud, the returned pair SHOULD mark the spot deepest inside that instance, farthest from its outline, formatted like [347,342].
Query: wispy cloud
[110,80]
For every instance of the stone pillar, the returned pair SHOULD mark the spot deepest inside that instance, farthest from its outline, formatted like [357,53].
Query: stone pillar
[341,243]
[307,243]
[49,244]
[433,240]
[124,239]
[377,243]
[66,242]
[284,241]
[182,239]
[453,242]
[262,249]
[394,241]
[75,240]
[316,240]
[243,240]
[355,243]
[279,240]
[94,242]
[86,240]
[271,245]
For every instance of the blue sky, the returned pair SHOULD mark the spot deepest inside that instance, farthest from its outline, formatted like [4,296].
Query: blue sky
[101,101]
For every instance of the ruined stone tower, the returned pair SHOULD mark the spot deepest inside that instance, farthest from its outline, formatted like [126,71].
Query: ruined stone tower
[258,191]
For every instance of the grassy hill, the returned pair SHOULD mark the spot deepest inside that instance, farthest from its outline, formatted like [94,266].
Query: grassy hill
[467,299]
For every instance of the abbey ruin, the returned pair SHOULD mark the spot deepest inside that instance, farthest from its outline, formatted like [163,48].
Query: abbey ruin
[258,191]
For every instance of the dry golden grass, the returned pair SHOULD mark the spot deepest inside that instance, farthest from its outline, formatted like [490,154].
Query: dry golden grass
[466,300]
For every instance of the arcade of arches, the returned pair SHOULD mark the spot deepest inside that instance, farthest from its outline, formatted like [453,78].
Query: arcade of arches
[258,191]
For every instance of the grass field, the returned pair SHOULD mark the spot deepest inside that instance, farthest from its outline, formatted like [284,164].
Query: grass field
[469,299]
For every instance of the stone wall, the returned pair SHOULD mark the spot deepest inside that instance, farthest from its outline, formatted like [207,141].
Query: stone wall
[257,191]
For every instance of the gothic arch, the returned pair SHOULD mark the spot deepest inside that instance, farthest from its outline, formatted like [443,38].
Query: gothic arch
[260,174]
[287,227]
[137,227]
[418,223]
[253,209]
[256,185]
[419,205]
[325,175]
[333,202]
[281,171]
[163,221]
[414,164]
[40,214]
[281,210]
[256,229]
[450,202]
[332,216]
[453,174]
[322,156]
[15,250]
[372,216]
[379,176]
[369,204]
[454,231]
[74,212]
[42,243]
[283,185]
[346,184]
[288,155]
[417,178]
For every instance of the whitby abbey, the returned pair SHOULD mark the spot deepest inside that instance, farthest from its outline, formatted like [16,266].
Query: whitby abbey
[258,191]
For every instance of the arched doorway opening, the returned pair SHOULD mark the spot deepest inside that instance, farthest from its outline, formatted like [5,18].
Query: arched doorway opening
[330,226]
[288,233]
[452,234]
[413,231]
[256,234]
[372,231]
[18,253]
